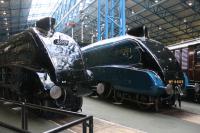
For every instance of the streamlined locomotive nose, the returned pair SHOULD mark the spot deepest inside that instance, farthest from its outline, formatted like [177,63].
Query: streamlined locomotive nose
[48,63]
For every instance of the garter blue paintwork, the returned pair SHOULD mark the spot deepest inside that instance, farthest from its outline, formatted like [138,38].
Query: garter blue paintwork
[156,79]
[186,80]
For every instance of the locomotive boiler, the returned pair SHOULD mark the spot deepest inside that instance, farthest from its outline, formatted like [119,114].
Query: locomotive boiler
[43,67]
[135,68]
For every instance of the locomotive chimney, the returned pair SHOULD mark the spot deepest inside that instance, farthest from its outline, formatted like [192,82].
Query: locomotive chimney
[141,31]
[46,25]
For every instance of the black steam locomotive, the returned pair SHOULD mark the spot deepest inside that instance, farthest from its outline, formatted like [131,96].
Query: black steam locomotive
[43,67]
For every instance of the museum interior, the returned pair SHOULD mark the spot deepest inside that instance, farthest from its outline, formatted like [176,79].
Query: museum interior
[99,66]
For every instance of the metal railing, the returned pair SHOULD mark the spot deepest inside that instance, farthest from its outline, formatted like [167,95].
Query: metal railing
[87,121]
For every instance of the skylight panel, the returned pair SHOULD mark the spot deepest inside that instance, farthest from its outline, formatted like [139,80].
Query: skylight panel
[42,8]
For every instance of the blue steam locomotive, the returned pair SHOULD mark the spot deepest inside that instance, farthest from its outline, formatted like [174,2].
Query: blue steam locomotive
[135,68]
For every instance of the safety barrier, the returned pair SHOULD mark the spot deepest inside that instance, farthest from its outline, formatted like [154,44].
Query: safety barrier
[87,121]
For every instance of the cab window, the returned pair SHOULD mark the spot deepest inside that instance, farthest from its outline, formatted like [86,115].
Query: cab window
[198,56]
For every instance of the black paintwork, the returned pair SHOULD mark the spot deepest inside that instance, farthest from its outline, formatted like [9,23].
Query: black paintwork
[170,69]
[41,50]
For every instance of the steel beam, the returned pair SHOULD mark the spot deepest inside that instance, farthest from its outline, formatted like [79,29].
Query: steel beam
[111,18]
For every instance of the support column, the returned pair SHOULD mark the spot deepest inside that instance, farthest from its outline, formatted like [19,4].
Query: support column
[111,14]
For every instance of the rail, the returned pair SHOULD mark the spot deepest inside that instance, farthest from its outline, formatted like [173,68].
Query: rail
[87,121]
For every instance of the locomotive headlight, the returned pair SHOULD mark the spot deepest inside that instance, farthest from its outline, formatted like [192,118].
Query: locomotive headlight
[55,92]
[196,87]
[169,89]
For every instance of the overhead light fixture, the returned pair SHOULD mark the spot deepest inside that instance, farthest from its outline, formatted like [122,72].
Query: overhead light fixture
[184,20]
[4,13]
[160,28]
[6,23]
[2,1]
[7,29]
[132,11]
[5,19]
[156,1]
[86,25]
[190,3]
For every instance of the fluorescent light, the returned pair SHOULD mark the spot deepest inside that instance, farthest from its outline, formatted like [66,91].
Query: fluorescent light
[156,1]
[132,11]
[184,20]
[2,1]
[7,29]
[4,13]
[190,3]
[5,19]
[6,23]
[160,28]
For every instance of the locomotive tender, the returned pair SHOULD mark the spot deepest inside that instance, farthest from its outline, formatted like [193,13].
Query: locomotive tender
[43,67]
[187,54]
[135,68]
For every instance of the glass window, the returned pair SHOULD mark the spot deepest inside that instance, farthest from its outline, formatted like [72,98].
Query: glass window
[184,59]
[178,55]
[198,56]
[42,8]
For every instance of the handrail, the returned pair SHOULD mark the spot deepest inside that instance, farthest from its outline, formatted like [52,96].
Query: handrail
[87,121]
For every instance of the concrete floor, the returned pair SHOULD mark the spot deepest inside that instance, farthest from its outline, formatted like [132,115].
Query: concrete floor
[125,118]
[11,116]
[186,120]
